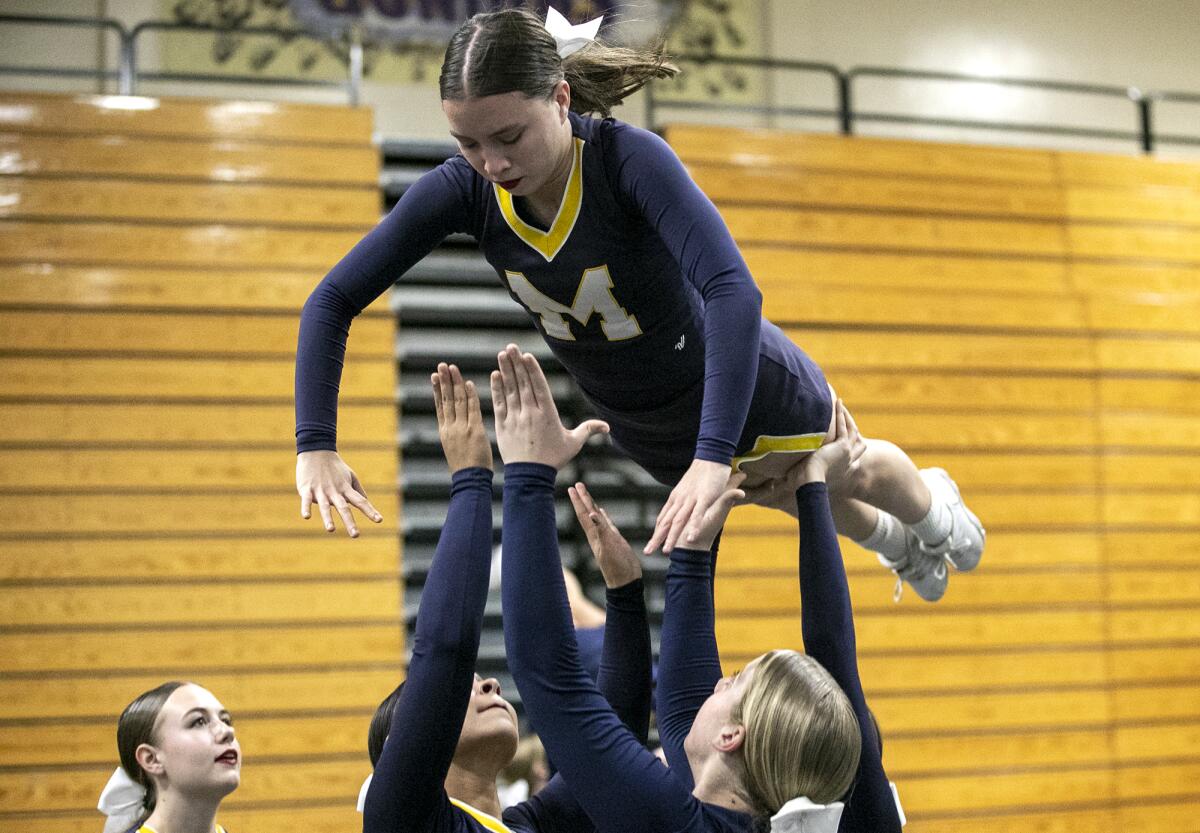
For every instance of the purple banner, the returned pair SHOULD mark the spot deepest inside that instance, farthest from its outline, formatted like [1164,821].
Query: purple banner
[423,20]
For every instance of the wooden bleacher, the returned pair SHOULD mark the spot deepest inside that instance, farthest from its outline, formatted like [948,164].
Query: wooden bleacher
[1031,321]
[154,255]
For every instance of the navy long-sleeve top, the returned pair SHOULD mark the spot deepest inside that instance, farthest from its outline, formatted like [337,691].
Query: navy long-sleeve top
[827,626]
[407,791]
[637,287]
[689,665]
[619,783]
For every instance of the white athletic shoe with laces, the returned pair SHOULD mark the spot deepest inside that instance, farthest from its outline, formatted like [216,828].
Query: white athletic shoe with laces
[925,571]
[963,547]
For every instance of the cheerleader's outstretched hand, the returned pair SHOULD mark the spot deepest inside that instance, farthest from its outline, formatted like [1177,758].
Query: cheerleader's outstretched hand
[528,429]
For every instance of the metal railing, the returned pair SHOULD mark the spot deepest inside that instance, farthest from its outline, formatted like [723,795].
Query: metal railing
[129,76]
[846,117]
[352,84]
[654,101]
[123,74]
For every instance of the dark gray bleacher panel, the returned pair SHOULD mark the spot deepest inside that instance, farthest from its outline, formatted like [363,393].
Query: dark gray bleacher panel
[432,153]
[405,161]
[433,345]
[456,306]
[396,179]
[452,266]
[416,396]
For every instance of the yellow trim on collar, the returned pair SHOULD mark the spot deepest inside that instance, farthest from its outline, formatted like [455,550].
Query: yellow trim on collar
[548,243]
[489,822]
[795,444]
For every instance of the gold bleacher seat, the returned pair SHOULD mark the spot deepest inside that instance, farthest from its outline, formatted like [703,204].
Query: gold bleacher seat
[154,256]
[186,118]
[201,159]
[1029,320]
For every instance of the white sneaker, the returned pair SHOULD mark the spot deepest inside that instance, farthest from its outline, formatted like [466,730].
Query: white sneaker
[963,547]
[925,571]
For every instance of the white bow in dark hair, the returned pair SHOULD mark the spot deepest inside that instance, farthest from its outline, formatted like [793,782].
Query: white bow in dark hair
[122,800]
[570,39]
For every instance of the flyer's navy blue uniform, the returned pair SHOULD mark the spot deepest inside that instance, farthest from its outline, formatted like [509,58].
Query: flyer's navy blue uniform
[636,286]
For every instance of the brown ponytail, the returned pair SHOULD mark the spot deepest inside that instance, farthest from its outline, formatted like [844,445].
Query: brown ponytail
[602,76]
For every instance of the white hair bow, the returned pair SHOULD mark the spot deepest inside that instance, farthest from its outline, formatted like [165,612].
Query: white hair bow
[570,39]
[121,800]
[803,816]
[362,794]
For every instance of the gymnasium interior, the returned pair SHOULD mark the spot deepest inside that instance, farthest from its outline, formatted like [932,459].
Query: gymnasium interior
[982,222]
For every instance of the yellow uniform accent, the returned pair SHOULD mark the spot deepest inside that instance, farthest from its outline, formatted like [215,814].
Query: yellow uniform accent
[489,822]
[549,243]
[145,828]
[794,444]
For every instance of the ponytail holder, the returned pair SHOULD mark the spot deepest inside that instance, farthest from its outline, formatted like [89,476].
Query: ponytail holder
[122,800]
[362,794]
[570,39]
[899,809]
[803,816]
